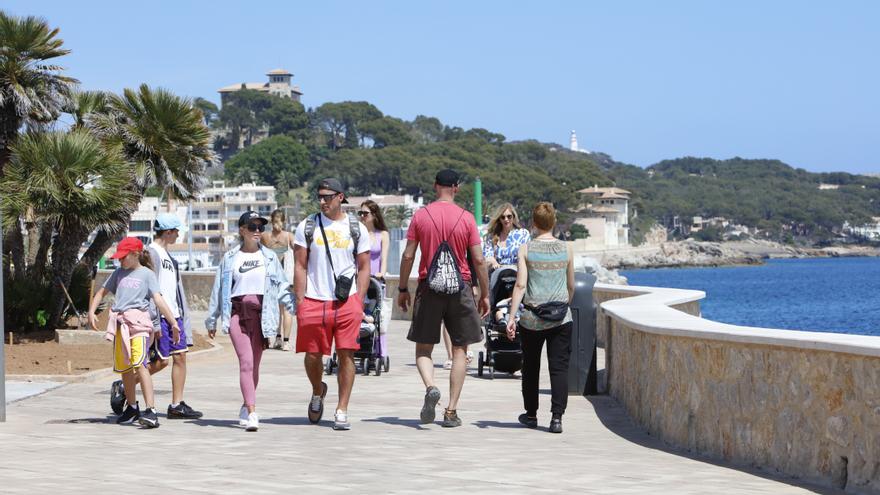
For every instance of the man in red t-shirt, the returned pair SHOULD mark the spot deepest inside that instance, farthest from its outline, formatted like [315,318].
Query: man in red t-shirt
[439,221]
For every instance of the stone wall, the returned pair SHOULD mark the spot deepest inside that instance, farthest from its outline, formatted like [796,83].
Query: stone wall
[802,404]
[197,286]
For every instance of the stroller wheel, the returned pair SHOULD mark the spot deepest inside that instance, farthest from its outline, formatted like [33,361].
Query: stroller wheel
[378,364]
[480,364]
[365,364]
[492,373]
[387,363]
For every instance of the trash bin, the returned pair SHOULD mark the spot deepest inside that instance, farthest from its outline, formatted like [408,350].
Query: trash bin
[582,378]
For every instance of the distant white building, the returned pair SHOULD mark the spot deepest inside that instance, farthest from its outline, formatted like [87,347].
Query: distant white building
[212,219]
[385,201]
[279,84]
[870,231]
[573,143]
[608,216]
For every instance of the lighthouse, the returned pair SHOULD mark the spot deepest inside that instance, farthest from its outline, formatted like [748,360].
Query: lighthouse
[573,143]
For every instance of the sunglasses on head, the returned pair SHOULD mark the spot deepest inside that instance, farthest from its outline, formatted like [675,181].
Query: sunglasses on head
[326,197]
[507,216]
[256,227]
[363,213]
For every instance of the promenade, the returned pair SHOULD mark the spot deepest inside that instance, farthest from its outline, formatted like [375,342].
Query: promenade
[64,441]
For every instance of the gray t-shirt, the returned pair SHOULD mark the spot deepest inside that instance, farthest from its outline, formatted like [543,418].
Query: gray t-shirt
[133,288]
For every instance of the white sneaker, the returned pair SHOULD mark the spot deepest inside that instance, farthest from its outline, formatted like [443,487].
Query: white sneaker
[253,422]
[277,344]
[285,346]
[242,416]
[341,421]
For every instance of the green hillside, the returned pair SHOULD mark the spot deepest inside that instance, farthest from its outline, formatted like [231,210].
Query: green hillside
[375,153]
[785,202]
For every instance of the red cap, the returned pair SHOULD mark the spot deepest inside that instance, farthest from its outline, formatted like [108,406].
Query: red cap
[126,246]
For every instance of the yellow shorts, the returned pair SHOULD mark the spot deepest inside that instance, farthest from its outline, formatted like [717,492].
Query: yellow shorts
[121,364]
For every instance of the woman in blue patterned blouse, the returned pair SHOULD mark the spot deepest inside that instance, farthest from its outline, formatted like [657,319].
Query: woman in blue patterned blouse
[505,236]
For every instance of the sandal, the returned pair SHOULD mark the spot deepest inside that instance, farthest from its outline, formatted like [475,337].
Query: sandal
[447,365]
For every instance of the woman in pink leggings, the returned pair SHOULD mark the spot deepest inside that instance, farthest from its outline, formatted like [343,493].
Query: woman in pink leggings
[249,274]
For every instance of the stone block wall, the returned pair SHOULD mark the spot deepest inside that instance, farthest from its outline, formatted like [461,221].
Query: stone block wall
[197,286]
[800,410]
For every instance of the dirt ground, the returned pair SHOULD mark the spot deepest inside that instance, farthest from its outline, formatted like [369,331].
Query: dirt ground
[37,354]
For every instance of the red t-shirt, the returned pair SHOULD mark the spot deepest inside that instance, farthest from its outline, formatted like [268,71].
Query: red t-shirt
[430,234]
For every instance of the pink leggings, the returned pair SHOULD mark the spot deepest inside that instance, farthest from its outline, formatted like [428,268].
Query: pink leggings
[247,339]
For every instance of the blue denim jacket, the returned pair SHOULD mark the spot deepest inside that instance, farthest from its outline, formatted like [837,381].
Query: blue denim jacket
[277,291]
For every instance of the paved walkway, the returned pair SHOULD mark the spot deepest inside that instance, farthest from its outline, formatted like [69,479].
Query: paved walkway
[64,441]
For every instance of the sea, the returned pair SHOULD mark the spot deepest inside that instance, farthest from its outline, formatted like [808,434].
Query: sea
[840,295]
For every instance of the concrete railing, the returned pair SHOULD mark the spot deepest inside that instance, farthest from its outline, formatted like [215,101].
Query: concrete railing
[804,404]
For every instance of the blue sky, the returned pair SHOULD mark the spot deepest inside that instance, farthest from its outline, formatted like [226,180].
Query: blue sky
[640,80]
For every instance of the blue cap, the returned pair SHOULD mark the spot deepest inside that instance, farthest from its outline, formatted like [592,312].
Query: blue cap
[166,221]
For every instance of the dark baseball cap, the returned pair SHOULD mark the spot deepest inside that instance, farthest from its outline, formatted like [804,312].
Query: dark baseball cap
[333,185]
[447,177]
[249,216]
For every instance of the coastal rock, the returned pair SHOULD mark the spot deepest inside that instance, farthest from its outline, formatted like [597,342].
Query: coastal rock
[602,274]
[678,254]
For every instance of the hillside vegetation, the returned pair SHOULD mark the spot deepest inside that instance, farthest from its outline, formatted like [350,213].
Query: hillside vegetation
[376,153]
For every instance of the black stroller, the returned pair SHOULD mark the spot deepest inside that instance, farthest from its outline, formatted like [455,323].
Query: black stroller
[372,355]
[501,353]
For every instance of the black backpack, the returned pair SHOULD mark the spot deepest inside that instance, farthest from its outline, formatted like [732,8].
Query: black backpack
[444,276]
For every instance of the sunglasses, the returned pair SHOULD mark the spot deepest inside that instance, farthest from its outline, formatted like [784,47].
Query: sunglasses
[363,213]
[507,217]
[326,197]
[256,227]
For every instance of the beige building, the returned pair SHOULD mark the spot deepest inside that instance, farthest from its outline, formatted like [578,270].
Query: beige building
[212,219]
[607,210]
[279,84]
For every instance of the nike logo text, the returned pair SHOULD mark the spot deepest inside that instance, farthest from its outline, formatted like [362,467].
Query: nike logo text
[249,265]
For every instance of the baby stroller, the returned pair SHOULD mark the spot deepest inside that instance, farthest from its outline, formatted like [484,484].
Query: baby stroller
[501,353]
[372,354]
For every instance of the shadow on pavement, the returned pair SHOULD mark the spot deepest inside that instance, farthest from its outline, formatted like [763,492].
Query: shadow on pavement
[396,421]
[82,421]
[614,417]
[228,423]
[498,424]
[294,421]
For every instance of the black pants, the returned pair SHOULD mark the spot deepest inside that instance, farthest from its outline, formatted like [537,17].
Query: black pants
[558,352]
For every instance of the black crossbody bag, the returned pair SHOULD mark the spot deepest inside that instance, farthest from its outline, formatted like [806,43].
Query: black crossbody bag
[343,284]
[550,311]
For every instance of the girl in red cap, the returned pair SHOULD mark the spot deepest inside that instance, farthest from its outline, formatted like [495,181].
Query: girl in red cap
[130,326]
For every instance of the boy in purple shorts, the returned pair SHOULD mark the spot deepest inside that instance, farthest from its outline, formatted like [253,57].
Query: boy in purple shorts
[167,228]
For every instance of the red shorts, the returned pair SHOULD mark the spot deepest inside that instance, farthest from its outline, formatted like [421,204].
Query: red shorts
[318,323]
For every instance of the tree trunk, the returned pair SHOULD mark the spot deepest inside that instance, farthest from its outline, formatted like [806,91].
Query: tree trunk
[65,250]
[16,249]
[38,266]
[102,242]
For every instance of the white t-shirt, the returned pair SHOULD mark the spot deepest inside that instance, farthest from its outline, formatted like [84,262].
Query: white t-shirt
[167,279]
[321,284]
[248,274]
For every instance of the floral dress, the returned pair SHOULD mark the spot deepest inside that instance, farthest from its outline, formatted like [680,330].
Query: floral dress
[509,252]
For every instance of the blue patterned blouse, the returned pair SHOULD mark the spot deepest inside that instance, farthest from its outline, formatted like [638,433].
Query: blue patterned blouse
[509,252]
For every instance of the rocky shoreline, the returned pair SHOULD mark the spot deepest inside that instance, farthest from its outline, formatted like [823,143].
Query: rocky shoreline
[690,253]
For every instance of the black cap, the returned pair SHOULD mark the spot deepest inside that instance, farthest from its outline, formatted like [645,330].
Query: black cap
[447,177]
[249,216]
[333,185]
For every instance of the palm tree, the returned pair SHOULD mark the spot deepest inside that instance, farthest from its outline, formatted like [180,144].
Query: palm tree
[32,93]
[396,216]
[70,181]
[166,140]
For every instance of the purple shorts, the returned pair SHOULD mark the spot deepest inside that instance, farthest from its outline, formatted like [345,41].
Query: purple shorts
[163,345]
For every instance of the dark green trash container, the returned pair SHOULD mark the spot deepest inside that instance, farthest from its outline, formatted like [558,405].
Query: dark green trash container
[582,372]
